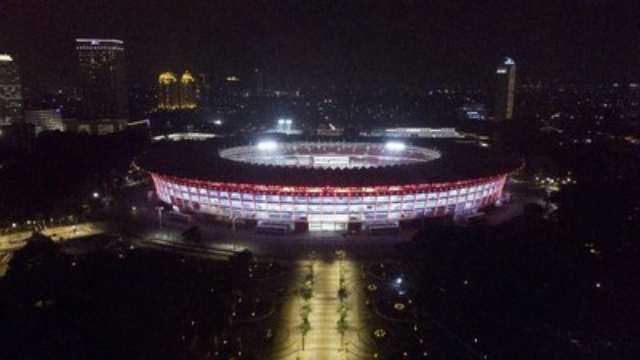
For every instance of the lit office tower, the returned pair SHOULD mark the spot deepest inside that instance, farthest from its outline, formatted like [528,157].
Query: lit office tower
[187,91]
[258,82]
[202,90]
[168,91]
[102,77]
[10,91]
[505,89]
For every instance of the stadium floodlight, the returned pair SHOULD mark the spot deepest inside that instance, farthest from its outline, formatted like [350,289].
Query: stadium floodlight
[288,121]
[267,145]
[394,145]
[281,121]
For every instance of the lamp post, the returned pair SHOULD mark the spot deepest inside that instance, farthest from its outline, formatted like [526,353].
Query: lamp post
[233,226]
[160,209]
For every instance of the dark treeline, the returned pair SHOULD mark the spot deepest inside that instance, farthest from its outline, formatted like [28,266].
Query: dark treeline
[533,288]
[62,171]
[111,304]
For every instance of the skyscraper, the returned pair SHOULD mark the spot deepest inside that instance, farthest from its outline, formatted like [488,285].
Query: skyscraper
[203,89]
[187,91]
[174,95]
[505,89]
[102,77]
[10,91]
[168,91]
[258,82]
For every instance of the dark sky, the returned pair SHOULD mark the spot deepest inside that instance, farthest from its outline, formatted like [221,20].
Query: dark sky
[334,42]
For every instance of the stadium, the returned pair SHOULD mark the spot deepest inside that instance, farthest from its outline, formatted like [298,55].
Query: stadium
[332,186]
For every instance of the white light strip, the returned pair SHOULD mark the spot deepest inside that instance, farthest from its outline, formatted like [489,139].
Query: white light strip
[92,41]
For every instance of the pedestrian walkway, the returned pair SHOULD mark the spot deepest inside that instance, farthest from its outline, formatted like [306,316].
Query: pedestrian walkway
[324,341]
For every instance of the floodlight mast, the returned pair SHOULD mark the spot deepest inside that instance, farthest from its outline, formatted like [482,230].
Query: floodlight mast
[395,146]
[267,145]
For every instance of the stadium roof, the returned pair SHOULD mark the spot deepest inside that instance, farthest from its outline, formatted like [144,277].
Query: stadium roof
[199,160]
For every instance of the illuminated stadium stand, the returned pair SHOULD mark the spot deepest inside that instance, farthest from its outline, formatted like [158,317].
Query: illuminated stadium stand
[280,185]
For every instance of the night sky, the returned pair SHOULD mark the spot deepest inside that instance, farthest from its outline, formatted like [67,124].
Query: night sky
[406,43]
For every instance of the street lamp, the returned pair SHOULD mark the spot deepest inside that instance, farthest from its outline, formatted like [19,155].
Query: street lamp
[160,209]
[233,226]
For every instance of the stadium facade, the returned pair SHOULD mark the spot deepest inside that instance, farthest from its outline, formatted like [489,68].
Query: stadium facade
[325,186]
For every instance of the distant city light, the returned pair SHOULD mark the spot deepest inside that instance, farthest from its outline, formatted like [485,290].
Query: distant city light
[267,145]
[5,57]
[96,195]
[395,146]
[217,122]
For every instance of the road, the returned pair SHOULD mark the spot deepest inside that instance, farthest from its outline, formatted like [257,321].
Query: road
[12,242]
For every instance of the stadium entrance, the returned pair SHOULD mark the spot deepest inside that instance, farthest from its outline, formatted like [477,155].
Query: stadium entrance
[328,222]
[320,226]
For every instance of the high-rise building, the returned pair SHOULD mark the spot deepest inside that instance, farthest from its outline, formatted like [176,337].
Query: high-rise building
[203,89]
[505,89]
[187,91]
[174,94]
[168,91]
[258,82]
[10,91]
[102,77]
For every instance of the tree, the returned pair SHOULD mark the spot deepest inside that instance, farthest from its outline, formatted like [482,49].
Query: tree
[40,251]
[34,269]
[342,326]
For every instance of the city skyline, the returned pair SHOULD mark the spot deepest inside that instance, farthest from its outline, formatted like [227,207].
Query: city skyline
[400,44]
